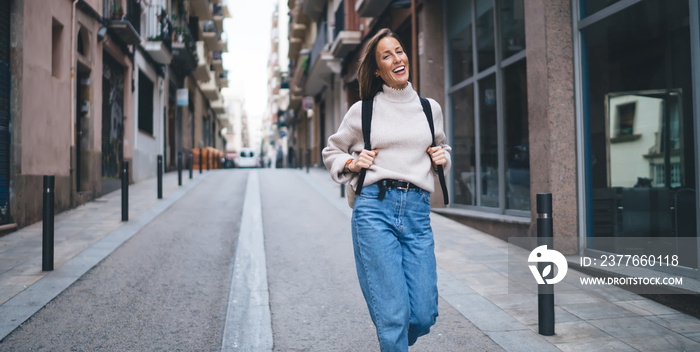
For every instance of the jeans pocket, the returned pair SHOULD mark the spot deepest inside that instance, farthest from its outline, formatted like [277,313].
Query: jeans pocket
[425,196]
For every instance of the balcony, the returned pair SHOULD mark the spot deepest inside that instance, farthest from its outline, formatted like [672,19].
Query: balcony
[223,46]
[320,73]
[125,27]
[158,34]
[345,40]
[371,8]
[322,64]
[210,88]
[201,9]
[219,108]
[185,56]
[313,8]
[210,35]
[218,14]
[294,48]
[217,63]
[299,23]
[223,80]
[201,72]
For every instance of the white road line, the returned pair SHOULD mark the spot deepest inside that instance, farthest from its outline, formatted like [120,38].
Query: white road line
[248,323]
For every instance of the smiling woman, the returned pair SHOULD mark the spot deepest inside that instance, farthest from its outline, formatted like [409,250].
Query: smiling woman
[394,251]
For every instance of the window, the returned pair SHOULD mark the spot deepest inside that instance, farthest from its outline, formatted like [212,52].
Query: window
[56,48]
[145,104]
[639,123]
[488,104]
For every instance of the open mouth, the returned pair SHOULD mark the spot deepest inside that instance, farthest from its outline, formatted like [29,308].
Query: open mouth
[401,69]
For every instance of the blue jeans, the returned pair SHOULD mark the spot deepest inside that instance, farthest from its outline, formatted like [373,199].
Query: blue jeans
[395,260]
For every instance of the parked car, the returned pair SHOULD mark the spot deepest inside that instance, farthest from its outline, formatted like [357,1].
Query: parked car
[247,158]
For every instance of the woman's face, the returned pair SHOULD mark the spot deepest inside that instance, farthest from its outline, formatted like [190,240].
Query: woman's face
[392,63]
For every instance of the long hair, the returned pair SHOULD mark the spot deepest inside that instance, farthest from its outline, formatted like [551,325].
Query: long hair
[370,84]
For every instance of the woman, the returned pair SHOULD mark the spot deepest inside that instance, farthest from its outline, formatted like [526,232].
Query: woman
[392,237]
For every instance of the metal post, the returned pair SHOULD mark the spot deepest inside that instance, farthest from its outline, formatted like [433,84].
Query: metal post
[308,160]
[342,190]
[301,158]
[545,293]
[125,191]
[47,221]
[160,177]
[200,160]
[190,165]
[179,168]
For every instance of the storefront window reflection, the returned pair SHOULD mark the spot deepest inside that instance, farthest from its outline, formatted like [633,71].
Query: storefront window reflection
[639,123]
[490,170]
[464,147]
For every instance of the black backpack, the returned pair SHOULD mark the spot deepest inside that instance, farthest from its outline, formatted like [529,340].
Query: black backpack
[367,126]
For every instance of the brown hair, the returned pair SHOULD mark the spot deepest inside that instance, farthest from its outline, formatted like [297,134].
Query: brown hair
[370,84]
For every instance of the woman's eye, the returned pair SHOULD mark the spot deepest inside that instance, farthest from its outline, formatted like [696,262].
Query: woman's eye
[385,57]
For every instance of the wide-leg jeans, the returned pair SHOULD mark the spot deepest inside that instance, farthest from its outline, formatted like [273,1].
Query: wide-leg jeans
[395,260]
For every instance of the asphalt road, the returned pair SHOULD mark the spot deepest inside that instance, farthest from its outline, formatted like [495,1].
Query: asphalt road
[166,289]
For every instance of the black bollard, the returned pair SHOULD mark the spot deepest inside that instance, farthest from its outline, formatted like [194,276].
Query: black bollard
[342,190]
[179,168]
[308,160]
[125,191]
[200,160]
[47,222]
[545,293]
[190,165]
[160,177]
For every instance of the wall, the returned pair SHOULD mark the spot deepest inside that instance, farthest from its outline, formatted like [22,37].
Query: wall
[147,147]
[550,77]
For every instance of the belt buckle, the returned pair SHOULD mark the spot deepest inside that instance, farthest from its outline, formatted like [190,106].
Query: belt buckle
[408,185]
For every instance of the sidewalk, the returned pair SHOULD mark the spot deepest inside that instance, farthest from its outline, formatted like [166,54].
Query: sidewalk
[473,269]
[83,237]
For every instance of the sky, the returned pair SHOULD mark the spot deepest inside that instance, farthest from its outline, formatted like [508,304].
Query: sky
[248,33]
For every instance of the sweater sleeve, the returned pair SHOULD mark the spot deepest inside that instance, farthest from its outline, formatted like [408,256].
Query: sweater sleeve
[345,144]
[440,137]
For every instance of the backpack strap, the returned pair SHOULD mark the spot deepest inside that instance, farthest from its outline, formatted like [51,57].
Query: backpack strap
[366,129]
[441,173]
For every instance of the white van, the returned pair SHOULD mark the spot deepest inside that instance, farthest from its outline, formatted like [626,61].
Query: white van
[247,158]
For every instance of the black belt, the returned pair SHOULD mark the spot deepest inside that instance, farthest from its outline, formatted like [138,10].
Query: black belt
[388,183]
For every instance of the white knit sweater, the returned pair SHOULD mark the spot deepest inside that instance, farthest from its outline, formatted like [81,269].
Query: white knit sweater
[401,135]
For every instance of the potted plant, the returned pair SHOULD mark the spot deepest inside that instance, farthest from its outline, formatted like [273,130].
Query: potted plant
[117,11]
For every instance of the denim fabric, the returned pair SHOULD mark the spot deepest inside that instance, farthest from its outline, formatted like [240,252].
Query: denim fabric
[395,260]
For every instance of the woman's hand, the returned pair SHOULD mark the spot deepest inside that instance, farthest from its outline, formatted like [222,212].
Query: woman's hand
[437,155]
[364,161]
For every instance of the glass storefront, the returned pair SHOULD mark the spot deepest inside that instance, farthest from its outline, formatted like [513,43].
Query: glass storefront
[639,126]
[487,104]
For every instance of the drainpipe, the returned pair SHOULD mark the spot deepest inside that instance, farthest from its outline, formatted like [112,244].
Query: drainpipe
[414,47]
[72,72]
[72,92]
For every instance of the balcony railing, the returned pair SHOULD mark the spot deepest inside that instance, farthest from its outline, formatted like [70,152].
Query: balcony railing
[339,19]
[158,32]
[184,49]
[158,27]
[319,44]
[127,26]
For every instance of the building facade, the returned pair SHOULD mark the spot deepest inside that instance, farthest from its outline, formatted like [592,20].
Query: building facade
[87,85]
[593,101]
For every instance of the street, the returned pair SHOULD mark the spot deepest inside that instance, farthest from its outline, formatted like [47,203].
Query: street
[261,259]
[167,287]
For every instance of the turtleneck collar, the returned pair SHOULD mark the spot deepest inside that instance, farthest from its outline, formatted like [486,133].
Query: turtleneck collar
[398,95]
